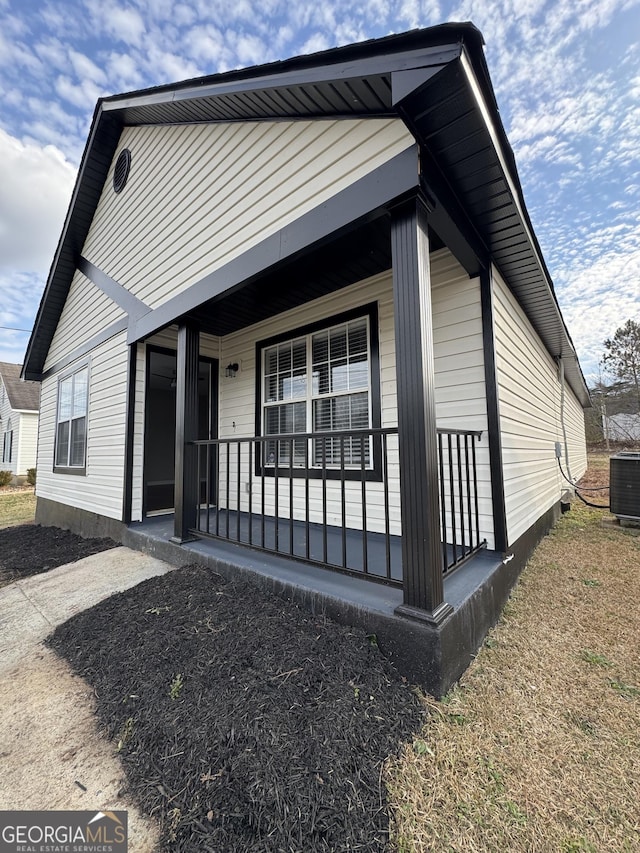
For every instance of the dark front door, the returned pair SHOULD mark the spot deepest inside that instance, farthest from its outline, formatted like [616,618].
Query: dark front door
[160,424]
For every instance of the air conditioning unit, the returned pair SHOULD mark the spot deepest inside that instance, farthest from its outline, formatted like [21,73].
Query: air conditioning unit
[624,482]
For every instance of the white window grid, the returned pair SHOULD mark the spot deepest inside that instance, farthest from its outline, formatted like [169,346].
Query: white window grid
[311,456]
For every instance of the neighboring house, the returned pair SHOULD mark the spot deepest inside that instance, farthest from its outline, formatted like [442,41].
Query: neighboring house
[303,305]
[19,405]
[621,427]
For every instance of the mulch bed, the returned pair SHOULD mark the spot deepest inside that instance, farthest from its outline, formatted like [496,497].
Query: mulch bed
[243,723]
[29,549]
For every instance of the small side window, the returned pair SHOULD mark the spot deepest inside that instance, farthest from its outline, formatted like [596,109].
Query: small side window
[71,423]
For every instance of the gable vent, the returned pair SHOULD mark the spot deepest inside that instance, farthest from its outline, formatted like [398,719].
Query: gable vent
[121,172]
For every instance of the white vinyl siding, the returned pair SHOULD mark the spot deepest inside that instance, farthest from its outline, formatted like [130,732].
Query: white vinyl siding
[200,195]
[7,417]
[87,311]
[101,489]
[530,423]
[27,442]
[461,401]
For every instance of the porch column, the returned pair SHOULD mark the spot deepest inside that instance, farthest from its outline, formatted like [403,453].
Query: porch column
[129,435]
[493,411]
[186,466]
[418,443]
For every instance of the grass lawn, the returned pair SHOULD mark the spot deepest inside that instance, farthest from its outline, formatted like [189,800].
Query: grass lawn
[17,507]
[538,748]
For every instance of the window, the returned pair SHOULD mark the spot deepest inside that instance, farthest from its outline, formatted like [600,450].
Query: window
[7,444]
[321,379]
[71,423]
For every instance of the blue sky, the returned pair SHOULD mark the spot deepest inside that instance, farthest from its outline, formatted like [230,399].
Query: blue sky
[566,75]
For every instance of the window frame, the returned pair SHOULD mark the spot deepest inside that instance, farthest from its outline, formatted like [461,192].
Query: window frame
[77,470]
[374,470]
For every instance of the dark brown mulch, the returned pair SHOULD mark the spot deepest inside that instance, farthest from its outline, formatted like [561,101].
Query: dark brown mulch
[29,549]
[244,723]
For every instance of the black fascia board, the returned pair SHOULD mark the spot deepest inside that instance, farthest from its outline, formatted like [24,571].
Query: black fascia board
[94,167]
[502,152]
[415,48]
[484,81]
[438,56]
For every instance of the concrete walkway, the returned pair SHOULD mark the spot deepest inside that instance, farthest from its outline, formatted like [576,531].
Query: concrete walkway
[32,607]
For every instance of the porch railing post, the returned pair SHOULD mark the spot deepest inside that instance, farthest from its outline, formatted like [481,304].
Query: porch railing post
[186,464]
[422,564]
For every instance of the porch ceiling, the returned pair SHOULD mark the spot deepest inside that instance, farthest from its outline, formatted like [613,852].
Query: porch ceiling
[324,268]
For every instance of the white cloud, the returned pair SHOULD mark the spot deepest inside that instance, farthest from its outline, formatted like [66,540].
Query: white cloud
[123,72]
[251,50]
[85,68]
[18,55]
[83,95]
[53,53]
[315,43]
[170,67]
[37,183]
[183,15]
[597,298]
[124,24]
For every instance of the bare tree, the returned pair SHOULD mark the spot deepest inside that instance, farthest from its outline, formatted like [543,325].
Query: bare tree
[622,356]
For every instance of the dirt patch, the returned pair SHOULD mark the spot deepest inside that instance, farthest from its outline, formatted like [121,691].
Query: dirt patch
[244,724]
[29,549]
[49,747]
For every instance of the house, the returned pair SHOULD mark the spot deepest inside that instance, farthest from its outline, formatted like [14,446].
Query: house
[299,325]
[624,426]
[19,405]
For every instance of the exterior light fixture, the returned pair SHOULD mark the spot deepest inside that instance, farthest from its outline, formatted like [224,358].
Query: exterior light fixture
[231,370]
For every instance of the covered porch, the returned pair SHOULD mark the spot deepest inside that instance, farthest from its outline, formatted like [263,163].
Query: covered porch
[394,499]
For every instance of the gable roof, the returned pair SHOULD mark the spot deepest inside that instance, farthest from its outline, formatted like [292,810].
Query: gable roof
[23,395]
[435,79]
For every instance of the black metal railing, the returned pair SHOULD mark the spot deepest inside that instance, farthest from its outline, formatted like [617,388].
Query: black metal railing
[459,511]
[332,498]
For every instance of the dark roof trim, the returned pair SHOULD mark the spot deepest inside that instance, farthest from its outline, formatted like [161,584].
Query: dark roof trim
[94,166]
[434,45]
[365,198]
[383,64]
[503,150]
[133,306]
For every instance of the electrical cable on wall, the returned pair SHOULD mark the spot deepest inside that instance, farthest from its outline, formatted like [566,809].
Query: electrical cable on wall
[564,427]
[577,489]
